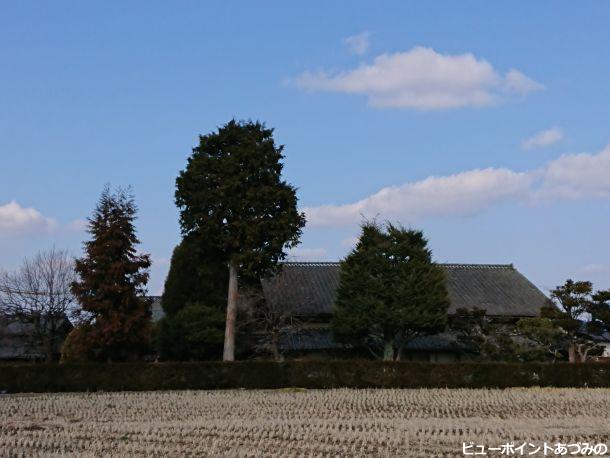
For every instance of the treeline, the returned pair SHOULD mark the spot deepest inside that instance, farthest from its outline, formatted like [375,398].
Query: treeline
[391,292]
[238,218]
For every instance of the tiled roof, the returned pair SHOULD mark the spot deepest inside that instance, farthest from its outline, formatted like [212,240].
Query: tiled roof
[18,339]
[308,339]
[310,288]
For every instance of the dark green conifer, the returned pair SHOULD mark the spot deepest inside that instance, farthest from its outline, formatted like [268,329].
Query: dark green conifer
[390,291]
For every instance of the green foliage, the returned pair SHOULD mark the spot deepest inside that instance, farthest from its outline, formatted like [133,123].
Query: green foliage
[600,312]
[111,282]
[488,339]
[232,197]
[389,291]
[550,338]
[195,332]
[196,274]
[573,300]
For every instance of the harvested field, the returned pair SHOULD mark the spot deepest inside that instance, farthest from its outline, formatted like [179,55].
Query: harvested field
[426,422]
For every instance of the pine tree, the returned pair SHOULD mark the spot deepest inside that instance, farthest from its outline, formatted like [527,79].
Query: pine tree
[573,301]
[111,282]
[232,197]
[600,312]
[389,292]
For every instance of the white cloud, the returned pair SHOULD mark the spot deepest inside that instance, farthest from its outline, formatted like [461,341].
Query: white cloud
[517,82]
[306,254]
[422,79]
[16,220]
[473,191]
[578,175]
[543,138]
[460,194]
[358,44]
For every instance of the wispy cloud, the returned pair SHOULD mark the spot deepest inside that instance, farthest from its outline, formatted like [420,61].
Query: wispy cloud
[460,194]
[422,79]
[471,192]
[18,220]
[518,83]
[358,44]
[598,274]
[543,138]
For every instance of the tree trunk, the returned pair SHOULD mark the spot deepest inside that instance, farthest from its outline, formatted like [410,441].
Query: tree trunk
[275,345]
[583,354]
[229,348]
[401,346]
[388,350]
[572,357]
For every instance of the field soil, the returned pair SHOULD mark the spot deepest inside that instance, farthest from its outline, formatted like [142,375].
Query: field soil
[292,422]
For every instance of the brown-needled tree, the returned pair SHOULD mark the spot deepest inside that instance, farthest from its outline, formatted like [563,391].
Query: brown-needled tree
[111,284]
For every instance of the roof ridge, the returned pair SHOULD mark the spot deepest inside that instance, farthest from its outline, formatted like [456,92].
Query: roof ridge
[479,266]
[450,265]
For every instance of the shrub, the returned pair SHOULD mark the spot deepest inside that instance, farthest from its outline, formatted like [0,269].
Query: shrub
[310,374]
[77,347]
[195,274]
[194,333]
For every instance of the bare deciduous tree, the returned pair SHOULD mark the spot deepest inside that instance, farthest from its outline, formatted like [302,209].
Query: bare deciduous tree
[38,295]
[278,312]
[273,318]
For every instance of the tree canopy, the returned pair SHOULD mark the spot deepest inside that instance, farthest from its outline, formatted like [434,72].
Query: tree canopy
[579,314]
[390,291]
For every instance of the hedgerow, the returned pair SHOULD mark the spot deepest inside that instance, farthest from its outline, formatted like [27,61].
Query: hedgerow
[306,374]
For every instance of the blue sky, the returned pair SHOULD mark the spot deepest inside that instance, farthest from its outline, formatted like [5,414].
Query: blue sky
[486,124]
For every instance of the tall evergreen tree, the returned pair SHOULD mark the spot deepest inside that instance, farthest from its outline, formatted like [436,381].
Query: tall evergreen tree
[389,291]
[232,197]
[111,282]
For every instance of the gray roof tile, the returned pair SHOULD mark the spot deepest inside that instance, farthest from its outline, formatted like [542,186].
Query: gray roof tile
[309,288]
